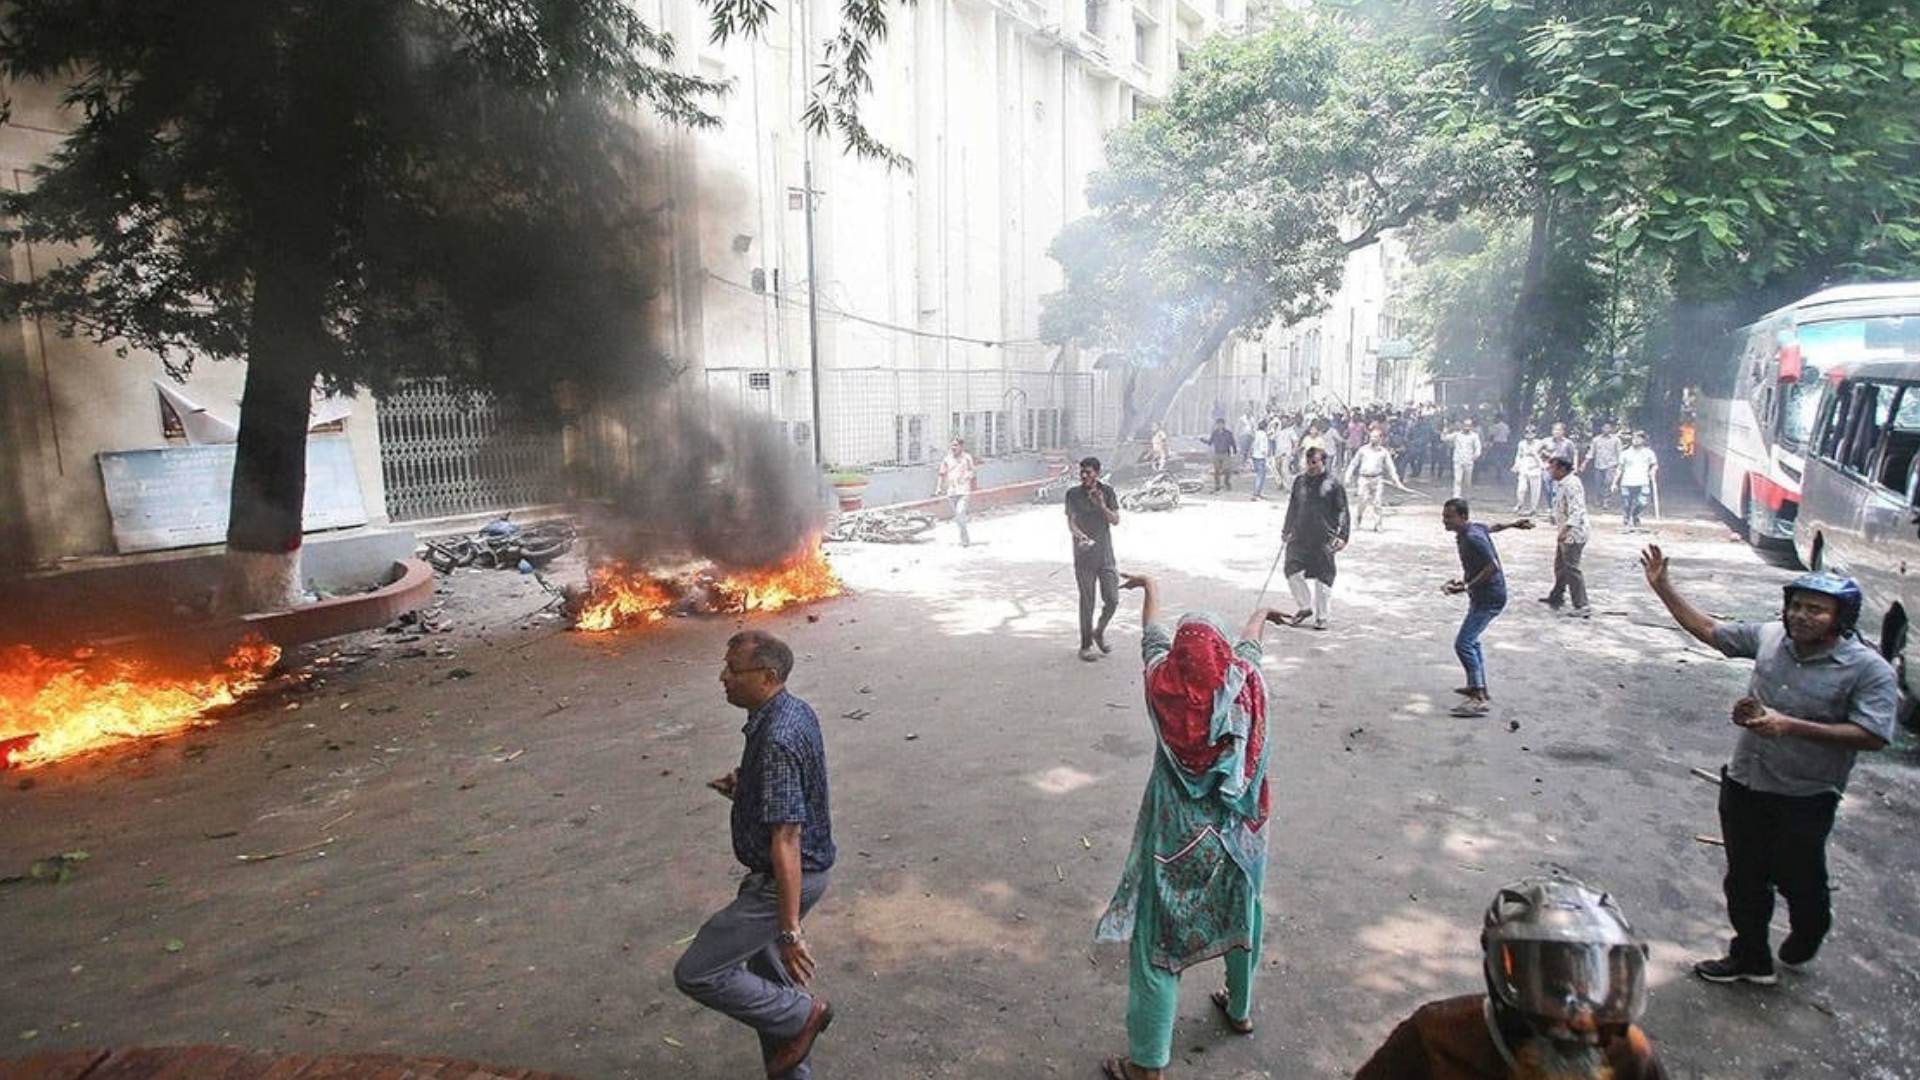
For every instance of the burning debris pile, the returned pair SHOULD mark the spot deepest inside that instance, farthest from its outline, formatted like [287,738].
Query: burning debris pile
[718,495]
[620,594]
[55,707]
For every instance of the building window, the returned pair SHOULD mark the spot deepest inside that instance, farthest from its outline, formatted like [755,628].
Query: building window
[1093,15]
[1142,43]
[909,438]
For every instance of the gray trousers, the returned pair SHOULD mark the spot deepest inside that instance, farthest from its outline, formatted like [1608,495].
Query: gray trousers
[734,967]
[1567,576]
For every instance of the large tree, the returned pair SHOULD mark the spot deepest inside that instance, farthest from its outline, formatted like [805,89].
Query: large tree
[350,192]
[1745,152]
[1237,201]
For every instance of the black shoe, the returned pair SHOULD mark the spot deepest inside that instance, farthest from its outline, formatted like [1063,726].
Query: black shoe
[1797,950]
[1728,970]
[1550,602]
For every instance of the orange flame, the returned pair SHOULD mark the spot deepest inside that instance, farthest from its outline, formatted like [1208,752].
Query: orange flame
[621,595]
[803,577]
[55,707]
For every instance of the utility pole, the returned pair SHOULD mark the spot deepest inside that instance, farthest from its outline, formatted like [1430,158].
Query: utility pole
[813,305]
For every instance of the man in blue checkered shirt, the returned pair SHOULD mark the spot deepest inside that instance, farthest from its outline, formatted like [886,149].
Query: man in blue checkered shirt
[750,960]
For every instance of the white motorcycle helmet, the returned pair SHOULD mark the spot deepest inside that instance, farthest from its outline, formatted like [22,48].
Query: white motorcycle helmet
[1561,956]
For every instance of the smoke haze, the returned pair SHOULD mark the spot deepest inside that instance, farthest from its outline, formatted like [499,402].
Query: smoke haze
[700,479]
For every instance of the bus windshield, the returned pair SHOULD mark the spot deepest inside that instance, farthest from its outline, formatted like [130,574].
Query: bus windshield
[1841,341]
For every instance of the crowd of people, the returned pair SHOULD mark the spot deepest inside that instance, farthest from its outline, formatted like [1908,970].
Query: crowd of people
[1463,447]
[1564,971]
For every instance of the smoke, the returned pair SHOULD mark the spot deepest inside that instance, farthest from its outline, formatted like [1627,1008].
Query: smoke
[699,479]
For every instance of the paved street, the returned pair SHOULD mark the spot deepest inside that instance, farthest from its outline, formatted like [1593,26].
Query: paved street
[492,843]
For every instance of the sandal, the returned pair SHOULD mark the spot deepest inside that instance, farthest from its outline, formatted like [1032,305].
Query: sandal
[1117,1068]
[1470,708]
[1300,617]
[1238,1027]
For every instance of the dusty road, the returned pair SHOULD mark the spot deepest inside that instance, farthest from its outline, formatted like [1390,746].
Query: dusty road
[492,843]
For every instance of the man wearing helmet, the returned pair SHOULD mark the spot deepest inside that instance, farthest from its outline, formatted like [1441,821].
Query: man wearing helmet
[1818,696]
[1566,979]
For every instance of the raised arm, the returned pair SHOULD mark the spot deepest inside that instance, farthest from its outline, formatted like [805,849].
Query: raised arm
[1149,596]
[1691,619]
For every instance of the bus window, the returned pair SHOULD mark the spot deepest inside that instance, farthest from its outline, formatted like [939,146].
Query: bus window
[1901,445]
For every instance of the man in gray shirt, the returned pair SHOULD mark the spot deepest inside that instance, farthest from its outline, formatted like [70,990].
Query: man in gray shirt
[1818,696]
[1603,454]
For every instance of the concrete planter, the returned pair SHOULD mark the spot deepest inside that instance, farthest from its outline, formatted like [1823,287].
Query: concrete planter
[849,493]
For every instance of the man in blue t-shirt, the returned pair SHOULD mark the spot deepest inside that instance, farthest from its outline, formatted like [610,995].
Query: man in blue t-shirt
[1486,587]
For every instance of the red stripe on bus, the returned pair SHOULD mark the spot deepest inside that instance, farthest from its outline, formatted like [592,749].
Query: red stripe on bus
[1769,494]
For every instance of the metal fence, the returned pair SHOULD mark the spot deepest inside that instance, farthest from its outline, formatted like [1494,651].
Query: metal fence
[444,454]
[889,416]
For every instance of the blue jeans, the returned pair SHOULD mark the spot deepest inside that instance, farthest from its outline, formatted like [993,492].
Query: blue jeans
[734,966]
[1466,643]
[1259,476]
[1633,498]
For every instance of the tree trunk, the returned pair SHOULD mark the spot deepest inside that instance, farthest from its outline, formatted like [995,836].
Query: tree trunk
[1524,342]
[264,530]
[1172,379]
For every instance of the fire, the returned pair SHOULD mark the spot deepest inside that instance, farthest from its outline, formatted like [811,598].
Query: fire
[54,707]
[620,594]
[803,577]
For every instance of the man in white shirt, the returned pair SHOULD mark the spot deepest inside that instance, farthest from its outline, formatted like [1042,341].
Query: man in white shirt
[1570,539]
[956,483]
[1373,466]
[1639,471]
[1262,448]
[1286,442]
[1526,473]
[1466,451]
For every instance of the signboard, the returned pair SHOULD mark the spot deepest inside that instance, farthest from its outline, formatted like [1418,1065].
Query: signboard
[177,496]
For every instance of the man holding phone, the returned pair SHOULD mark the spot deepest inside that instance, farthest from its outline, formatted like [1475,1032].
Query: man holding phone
[1092,512]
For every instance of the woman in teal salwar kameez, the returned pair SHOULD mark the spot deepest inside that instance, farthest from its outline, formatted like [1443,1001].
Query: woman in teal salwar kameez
[1192,885]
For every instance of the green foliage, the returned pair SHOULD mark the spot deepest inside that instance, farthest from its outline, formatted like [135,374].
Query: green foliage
[1238,200]
[1460,299]
[1743,143]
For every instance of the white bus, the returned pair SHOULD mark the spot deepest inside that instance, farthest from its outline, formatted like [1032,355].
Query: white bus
[1860,496]
[1756,408]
